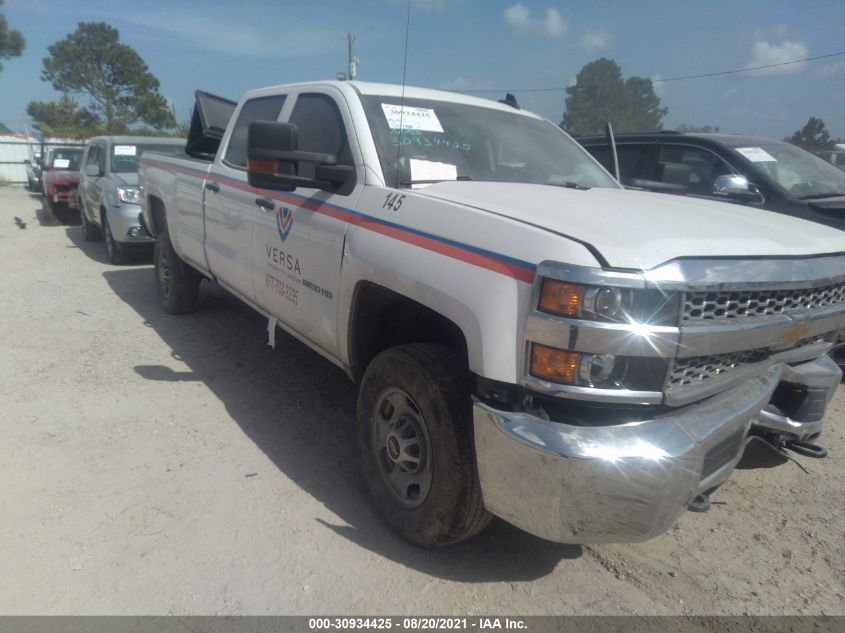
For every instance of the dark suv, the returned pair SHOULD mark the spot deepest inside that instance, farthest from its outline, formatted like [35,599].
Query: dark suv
[748,170]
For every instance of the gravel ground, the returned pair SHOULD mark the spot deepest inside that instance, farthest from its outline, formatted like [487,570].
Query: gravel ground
[154,464]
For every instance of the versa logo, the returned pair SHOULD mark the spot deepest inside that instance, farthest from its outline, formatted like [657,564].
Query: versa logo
[284,222]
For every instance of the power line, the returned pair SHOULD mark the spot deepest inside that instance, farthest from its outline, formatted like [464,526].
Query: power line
[681,78]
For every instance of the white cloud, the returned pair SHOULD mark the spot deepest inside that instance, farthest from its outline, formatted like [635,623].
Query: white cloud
[462,83]
[765,54]
[594,41]
[660,87]
[239,40]
[832,70]
[519,18]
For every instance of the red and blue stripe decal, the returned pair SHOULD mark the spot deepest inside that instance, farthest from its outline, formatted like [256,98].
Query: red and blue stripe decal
[496,262]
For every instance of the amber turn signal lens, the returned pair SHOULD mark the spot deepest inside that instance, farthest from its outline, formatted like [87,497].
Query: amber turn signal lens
[262,166]
[559,297]
[553,364]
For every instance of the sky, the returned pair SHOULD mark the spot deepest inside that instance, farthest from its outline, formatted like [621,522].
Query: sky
[229,47]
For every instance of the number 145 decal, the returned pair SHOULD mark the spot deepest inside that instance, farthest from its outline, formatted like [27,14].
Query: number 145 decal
[393,201]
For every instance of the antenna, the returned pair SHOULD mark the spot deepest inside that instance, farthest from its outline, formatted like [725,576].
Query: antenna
[402,101]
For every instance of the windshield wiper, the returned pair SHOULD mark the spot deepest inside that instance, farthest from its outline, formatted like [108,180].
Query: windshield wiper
[570,185]
[407,183]
[819,196]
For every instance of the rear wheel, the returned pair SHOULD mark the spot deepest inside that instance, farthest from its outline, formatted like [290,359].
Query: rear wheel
[114,251]
[415,439]
[178,283]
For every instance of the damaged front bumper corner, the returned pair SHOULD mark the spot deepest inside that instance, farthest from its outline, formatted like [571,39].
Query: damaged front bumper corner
[623,483]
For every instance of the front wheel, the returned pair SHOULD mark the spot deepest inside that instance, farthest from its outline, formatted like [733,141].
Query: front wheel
[113,249]
[178,284]
[415,439]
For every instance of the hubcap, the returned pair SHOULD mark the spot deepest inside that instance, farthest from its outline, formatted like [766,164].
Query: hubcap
[401,447]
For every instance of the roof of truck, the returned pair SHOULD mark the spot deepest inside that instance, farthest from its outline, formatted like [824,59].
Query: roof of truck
[397,90]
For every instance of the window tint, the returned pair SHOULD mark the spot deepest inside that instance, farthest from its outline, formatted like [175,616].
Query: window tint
[66,159]
[634,161]
[320,126]
[704,166]
[260,109]
[125,159]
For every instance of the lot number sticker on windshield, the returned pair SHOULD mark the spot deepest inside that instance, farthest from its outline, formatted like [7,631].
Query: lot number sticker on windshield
[431,170]
[757,154]
[125,150]
[409,118]
[61,163]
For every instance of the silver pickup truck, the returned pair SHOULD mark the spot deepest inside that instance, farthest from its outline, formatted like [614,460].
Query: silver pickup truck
[109,200]
[531,340]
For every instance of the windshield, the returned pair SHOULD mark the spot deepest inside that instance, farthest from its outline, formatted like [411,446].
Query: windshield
[795,170]
[66,159]
[126,156]
[450,141]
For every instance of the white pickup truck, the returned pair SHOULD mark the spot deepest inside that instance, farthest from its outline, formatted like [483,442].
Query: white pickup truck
[531,340]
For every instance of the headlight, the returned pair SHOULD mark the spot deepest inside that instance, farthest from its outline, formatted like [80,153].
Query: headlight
[575,368]
[129,194]
[608,304]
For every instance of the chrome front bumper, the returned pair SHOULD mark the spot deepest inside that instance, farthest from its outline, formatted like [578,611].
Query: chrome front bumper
[624,483]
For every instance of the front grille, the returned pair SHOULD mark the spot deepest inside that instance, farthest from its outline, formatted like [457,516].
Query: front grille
[695,370]
[736,304]
[698,369]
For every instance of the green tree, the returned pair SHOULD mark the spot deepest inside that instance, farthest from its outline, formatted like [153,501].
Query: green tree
[120,89]
[813,137]
[601,95]
[11,41]
[63,118]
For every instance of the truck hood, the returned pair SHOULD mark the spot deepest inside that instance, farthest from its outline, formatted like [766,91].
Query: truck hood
[61,177]
[637,229]
[128,179]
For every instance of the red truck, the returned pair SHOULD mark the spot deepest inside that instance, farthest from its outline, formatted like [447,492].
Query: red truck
[60,179]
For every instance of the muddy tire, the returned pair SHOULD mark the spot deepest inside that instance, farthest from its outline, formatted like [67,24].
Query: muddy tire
[177,283]
[416,443]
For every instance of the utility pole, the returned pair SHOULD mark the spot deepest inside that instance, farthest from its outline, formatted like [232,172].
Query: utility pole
[353,61]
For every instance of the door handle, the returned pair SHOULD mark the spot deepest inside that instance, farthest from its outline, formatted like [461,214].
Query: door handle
[212,186]
[265,203]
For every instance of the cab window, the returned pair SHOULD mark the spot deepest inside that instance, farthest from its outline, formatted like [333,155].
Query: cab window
[321,126]
[258,109]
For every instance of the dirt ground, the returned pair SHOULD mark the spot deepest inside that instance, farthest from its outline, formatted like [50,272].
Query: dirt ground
[155,464]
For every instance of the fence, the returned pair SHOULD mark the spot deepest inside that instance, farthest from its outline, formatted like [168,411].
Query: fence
[17,148]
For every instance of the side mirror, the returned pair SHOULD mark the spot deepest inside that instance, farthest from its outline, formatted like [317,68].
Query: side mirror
[736,187]
[92,170]
[275,162]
